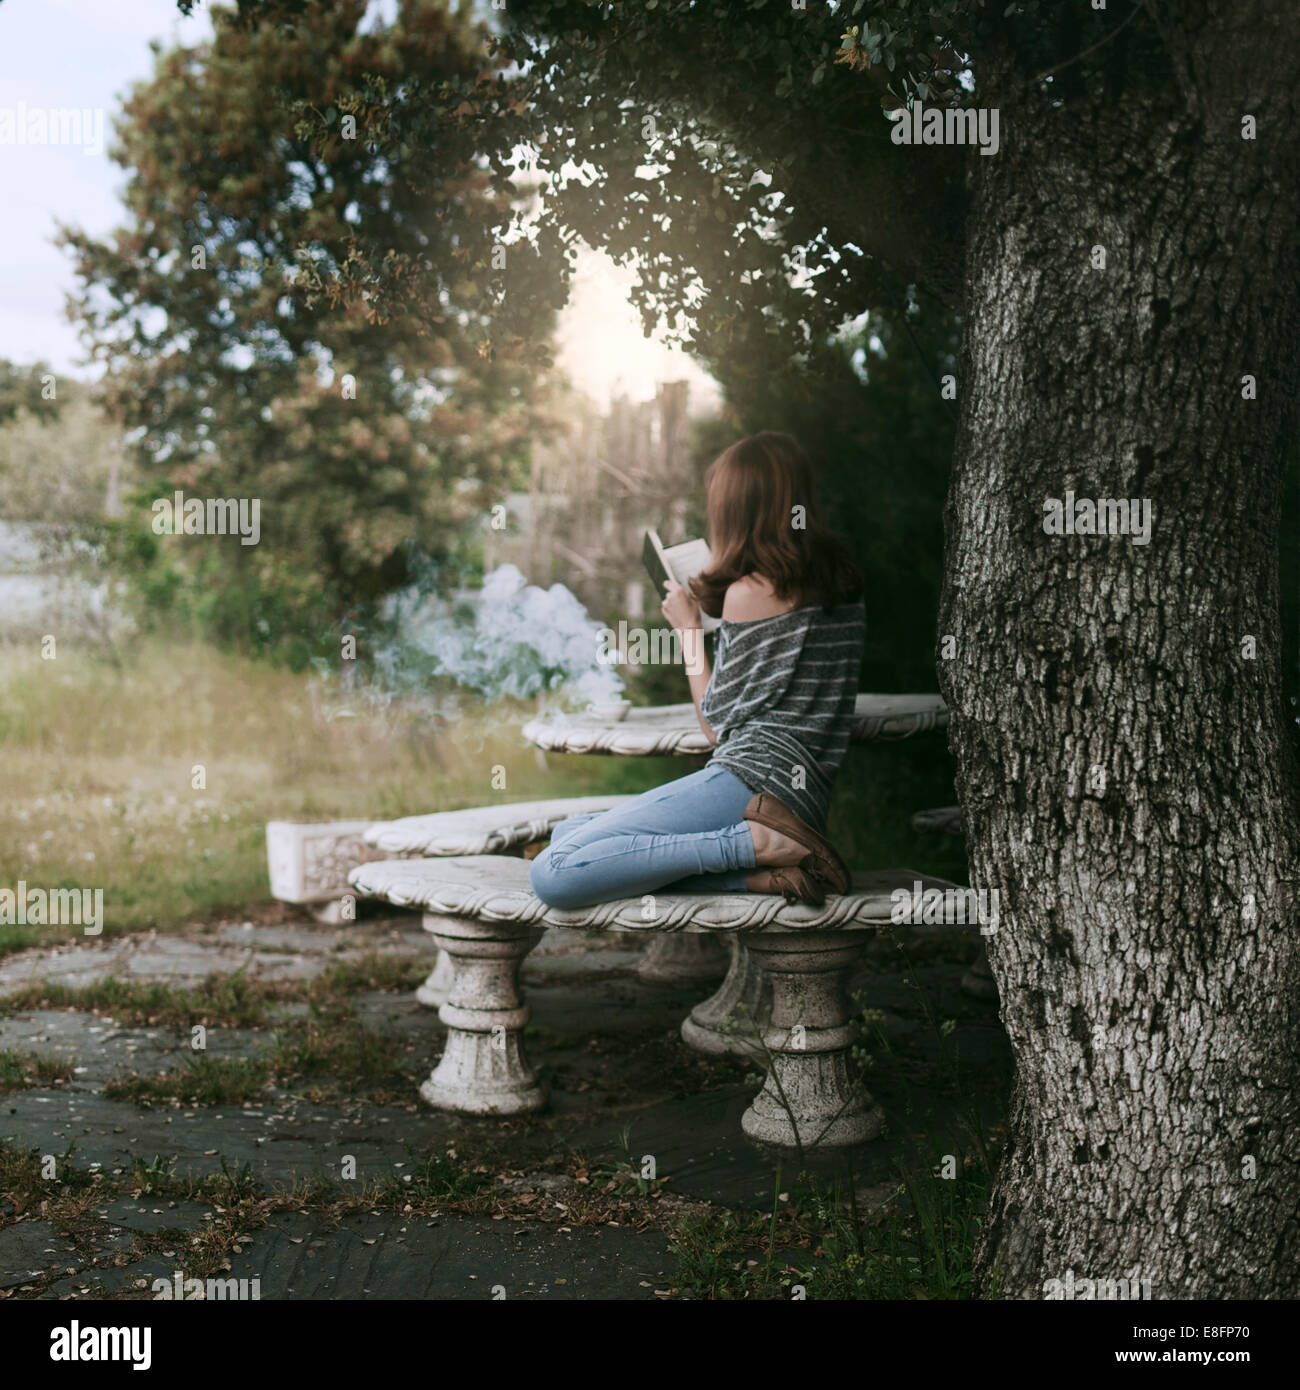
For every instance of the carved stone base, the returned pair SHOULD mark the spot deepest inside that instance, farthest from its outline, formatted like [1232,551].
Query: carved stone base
[483,1069]
[978,980]
[811,1095]
[434,991]
[680,957]
[335,912]
[731,1021]
[309,864]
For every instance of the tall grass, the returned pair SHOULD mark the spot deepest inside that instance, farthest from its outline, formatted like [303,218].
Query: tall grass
[155,781]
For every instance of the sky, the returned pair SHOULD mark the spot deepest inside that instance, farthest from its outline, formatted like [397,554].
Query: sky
[83,55]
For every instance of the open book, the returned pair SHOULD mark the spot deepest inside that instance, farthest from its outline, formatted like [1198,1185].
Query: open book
[679,562]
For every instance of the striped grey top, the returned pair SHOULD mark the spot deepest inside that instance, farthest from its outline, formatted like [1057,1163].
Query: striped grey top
[781,699]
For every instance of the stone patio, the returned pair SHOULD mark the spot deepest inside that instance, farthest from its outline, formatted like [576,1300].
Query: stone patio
[623,1085]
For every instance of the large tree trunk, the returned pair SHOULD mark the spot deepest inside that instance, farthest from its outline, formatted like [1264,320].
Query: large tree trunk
[1127,767]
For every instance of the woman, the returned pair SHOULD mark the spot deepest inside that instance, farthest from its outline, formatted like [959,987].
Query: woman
[777,707]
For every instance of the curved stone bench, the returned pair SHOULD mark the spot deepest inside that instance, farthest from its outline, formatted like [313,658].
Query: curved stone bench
[308,864]
[504,829]
[500,829]
[482,913]
[481,829]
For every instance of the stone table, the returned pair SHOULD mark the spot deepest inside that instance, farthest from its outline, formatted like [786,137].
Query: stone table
[657,731]
[483,914]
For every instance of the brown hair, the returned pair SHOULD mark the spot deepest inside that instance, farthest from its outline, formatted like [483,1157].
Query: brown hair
[753,489]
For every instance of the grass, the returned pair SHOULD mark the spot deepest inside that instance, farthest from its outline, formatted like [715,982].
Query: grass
[232,1001]
[335,1058]
[200,1079]
[154,782]
[24,1070]
[919,1245]
[326,1055]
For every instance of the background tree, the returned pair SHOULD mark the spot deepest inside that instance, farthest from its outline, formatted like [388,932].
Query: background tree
[32,387]
[1127,767]
[237,365]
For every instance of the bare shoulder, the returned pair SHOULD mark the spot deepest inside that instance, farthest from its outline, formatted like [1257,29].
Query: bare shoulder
[751,598]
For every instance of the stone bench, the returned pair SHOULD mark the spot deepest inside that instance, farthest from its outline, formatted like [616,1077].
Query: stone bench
[308,864]
[506,829]
[482,913]
[499,829]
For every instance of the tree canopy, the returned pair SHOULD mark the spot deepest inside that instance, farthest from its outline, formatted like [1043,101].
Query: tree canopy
[739,150]
[234,358]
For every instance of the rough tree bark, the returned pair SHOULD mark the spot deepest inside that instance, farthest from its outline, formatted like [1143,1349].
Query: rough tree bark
[1127,769]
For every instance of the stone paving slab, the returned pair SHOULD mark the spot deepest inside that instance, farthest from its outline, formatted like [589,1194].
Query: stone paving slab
[389,1256]
[29,1249]
[92,1283]
[124,1218]
[101,1050]
[181,959]
[672,1091]
[95,1046]
[149,1215]
[287,953]
[279,1141]
[585,946]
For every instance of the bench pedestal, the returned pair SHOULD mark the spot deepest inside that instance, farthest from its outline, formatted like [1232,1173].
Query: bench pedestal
[483,1069]
[681,957]
[434,991]
[731,1020]
[812,1096]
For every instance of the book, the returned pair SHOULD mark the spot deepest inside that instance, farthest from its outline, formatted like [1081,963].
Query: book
[680,562]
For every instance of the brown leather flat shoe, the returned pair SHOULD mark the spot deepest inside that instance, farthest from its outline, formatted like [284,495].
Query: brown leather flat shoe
[795,885]
[772,812]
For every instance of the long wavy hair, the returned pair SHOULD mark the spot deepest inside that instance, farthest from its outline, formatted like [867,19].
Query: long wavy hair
[764,518]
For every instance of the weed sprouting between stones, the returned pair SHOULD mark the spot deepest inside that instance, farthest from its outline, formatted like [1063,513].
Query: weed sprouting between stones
[24,1070]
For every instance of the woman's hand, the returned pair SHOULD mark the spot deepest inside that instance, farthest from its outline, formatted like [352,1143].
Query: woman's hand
[680,607]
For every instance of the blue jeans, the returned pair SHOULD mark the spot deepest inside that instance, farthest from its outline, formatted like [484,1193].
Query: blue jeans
[690,836]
